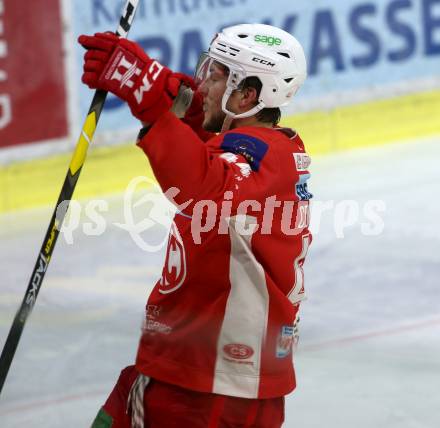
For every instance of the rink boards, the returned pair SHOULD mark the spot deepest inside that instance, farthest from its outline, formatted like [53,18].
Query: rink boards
[108,169]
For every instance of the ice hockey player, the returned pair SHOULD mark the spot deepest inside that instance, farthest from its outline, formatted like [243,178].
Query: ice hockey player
[220,324]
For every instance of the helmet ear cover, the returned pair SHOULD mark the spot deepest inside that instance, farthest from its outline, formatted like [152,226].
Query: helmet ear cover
[270,115]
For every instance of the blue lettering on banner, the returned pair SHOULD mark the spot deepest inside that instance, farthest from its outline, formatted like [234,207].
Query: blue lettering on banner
[158,6]
[431,27]
[325,42]
[226,2]
[402,29]
[191,47]
[158,48]
[343,40]
[99,10]
[289,23]
[365,35]
[103,13]
[251,148]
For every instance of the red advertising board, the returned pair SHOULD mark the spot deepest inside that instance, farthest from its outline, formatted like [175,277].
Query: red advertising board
[32,81]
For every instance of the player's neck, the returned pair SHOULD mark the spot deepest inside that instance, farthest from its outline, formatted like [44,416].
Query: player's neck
[249,121]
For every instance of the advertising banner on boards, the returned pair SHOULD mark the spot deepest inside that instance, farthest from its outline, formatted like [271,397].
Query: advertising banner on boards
[33,103]
[352,46]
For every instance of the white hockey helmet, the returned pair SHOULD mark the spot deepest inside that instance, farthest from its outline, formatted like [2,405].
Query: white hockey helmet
[264,51]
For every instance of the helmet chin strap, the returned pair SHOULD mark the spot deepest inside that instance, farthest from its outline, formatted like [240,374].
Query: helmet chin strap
[230,116]
[227,122]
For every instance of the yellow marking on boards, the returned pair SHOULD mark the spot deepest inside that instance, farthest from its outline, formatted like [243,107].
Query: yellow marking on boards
[374,123]
[109,169]
[37,183]
[83,143]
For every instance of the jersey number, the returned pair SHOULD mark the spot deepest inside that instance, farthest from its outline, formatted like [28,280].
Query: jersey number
[297,294]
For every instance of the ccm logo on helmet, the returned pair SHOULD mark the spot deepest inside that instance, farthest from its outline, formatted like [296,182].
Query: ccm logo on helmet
[263,61]
[238,351]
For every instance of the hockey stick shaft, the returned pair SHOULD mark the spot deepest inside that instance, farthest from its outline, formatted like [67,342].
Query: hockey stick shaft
[56,221]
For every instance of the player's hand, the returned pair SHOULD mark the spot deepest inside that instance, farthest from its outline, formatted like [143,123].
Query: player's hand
[121,67]
[195,115]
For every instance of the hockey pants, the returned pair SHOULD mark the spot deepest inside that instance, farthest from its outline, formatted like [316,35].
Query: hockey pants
[170,406]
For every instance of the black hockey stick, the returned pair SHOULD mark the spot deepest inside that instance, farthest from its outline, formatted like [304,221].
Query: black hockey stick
[56,221]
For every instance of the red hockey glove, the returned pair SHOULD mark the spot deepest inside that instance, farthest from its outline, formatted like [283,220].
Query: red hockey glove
[124,69]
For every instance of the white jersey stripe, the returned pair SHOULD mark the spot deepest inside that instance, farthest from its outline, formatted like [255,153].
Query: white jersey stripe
[242,336]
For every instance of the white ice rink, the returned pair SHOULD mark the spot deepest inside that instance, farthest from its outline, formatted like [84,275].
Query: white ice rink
[369,354]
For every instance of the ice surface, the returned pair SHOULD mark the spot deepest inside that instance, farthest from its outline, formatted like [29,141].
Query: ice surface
[369,353]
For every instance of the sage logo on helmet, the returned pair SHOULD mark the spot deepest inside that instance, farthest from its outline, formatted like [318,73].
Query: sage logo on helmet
[268,40]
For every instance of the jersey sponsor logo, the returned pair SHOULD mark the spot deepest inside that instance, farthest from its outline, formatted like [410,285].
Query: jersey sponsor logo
[285,341]
[251,148]
[238,351]
[302,161]
[152,311]
[301,188]
[174,270]
[151,325]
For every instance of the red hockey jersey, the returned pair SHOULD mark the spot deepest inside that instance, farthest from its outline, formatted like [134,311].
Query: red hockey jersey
[221,317]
